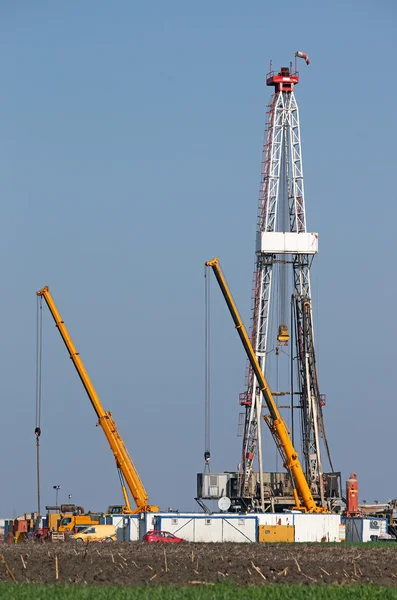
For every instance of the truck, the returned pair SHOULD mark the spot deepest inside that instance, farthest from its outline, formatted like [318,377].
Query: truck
[71,518]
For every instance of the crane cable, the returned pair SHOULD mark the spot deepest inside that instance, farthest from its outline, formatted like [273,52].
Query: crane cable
[277,388]
[39,355]
[284,226]
[207,391]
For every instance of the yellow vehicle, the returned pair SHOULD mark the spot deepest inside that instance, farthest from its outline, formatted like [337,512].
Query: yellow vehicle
[69,517]
[275,422]
[96,533]
[126,468]
[53,520]
[70,522]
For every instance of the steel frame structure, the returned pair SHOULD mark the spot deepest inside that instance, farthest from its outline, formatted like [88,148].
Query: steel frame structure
[282,157]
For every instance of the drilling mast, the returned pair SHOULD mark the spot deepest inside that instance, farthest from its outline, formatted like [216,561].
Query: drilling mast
[284,242]
[283,258]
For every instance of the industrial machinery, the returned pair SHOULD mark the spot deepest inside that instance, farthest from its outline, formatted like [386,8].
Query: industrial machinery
[126,469]
[302,493]
[352,509]
[20,529]
[387,511]
[72,517]
[282,330]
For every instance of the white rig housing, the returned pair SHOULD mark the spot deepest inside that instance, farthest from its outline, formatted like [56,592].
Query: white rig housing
[275,242]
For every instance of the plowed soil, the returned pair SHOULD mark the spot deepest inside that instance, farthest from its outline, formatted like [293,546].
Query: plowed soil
[140,564]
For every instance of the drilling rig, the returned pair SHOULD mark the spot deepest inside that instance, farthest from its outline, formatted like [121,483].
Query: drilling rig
[282,329]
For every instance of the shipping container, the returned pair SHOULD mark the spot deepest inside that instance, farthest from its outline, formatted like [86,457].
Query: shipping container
[127,526]
[275,518]
[240,529]
[364,530]
[180,525]
[316,528]
[147,523]
[209,528]
[133,528]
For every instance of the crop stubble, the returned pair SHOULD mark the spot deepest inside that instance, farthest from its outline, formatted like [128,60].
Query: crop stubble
[139,564]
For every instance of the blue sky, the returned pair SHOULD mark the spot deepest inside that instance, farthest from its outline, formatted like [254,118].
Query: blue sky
[131,140]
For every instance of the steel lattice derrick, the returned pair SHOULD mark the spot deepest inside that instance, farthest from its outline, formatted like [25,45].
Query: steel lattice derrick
[267,213]
[252,397]
[309,390]
[294,168]
[310,395]
[261,289]
[312,423]
[282,158]
[312,416]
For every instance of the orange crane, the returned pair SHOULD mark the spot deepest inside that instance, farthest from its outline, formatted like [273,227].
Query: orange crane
[126,469]
[276,423]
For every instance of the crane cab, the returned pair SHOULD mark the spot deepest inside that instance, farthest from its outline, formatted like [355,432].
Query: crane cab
[119,510]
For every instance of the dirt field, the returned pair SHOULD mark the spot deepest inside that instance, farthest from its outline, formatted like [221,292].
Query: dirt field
[141,564]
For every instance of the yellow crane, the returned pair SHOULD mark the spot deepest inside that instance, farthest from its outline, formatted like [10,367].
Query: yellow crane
[276,422]
[127,471]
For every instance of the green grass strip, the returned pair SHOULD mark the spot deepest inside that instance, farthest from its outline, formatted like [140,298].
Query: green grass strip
[202,592]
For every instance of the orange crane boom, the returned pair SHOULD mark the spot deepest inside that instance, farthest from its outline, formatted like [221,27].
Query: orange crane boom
[127,471]
[277,424]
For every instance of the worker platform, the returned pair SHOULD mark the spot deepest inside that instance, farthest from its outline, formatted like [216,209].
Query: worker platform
[275,242]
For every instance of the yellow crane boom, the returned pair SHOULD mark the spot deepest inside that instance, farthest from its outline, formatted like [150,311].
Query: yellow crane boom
[127,471]
[278,425]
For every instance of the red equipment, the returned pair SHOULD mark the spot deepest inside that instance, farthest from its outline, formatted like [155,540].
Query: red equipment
[352,496]
[162,536]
